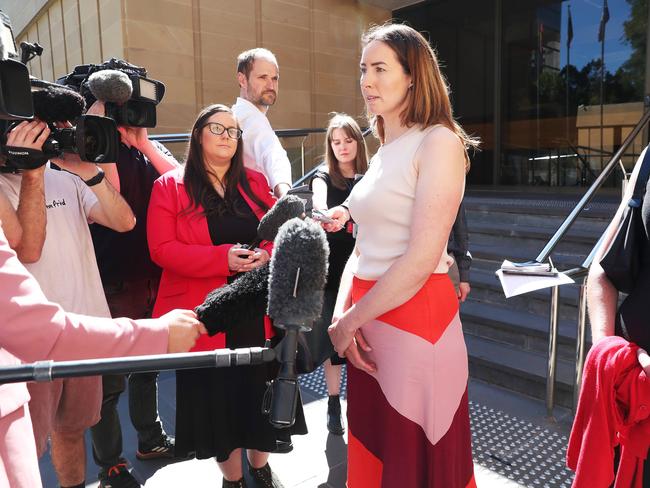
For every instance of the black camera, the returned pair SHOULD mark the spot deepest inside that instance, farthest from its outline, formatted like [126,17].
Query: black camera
[130,98]
[15,90]
[134,113]
[140,109]
[94,139]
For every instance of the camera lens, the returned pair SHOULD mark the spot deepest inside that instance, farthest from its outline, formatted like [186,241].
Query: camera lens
[135,116]
[97,139]
[91,144]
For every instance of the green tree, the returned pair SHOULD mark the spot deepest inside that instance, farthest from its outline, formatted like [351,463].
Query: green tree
[631,74]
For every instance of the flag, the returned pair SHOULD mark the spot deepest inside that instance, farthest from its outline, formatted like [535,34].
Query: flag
[569,28]
[603,20]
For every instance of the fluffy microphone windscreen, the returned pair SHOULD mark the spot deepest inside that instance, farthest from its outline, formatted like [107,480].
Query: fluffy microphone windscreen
[286,208]
[236,303]
[57,104]
[110,85]
[297,273]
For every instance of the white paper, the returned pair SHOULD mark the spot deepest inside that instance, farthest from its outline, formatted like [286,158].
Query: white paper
[514,284]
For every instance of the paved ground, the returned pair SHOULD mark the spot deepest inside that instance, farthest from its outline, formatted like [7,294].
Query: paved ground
[515,445]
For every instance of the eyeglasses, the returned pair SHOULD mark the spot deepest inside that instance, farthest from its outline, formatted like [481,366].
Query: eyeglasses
[217,129]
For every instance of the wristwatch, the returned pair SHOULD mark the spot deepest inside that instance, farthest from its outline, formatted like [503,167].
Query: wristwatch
[97,179]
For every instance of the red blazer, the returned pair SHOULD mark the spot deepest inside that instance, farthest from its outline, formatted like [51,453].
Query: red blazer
[180,244]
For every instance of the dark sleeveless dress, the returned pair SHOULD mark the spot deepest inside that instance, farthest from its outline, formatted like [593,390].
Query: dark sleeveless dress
[219,410]
[341,246]
[632,320]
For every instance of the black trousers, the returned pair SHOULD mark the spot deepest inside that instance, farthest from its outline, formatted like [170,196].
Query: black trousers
[143,411]
[132,299]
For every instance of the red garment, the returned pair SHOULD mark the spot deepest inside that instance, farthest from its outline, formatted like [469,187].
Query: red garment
[180,244]
[613,409]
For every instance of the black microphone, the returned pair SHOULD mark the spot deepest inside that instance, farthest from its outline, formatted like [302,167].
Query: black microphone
[57,104]
[236,303]
[298,272]
[287,207]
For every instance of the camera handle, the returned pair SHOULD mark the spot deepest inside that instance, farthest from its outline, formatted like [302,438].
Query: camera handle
[29,51]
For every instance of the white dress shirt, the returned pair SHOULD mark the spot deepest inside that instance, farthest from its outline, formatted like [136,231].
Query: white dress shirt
[262,149]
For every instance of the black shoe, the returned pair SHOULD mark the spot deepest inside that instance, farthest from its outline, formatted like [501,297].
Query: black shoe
[334,419]
[283,447]
[264,477]
[117,476]
[162,448]
[233,484]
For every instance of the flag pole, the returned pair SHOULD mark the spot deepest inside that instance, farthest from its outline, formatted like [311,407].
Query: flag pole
[602,98]
[601,37]
[538,69]
[567,74]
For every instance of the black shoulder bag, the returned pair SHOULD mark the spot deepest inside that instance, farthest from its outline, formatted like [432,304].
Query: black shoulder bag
[622,260]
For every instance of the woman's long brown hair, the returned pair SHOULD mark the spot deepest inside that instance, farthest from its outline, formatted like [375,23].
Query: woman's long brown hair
[198,185]
[428,100]
[348,125]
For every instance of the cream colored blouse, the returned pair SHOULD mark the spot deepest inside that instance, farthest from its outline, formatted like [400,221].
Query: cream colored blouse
[382,206]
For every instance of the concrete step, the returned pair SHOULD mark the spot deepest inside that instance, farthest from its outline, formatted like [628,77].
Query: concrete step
[517,370]
[540,205]
[487,289]
[547,218]
[531,238]
[523,330]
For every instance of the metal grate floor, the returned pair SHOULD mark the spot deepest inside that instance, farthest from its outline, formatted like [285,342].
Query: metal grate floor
[517,449]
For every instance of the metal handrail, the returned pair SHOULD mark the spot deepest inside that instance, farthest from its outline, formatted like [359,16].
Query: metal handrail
[604,174]
[579,272]
[304,133]
[185,136]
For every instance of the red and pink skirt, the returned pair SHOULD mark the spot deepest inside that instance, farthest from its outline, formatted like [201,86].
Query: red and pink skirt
[409,421]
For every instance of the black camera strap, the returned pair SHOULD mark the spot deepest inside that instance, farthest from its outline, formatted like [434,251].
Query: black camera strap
[19,158]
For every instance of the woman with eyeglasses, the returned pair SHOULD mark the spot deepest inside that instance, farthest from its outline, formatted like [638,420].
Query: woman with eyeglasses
[197,217]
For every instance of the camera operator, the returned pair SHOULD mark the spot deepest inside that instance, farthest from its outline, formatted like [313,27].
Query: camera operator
[31,201]
[53,208]
[130,283]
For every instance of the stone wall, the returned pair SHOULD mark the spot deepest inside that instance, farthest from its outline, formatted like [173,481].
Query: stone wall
[191,45]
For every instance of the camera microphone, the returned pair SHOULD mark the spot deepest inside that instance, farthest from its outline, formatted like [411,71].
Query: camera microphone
[298,272]
[57,104]
[286,208]
[110,85]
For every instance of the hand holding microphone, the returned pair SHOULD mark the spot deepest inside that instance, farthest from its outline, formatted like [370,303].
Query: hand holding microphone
[225,308]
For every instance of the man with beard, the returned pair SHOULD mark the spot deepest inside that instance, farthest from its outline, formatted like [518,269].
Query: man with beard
[258,77]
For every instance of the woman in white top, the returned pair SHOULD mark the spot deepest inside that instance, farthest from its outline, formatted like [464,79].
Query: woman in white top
[396,318]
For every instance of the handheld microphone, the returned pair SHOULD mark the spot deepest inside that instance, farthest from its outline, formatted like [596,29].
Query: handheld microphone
[298,272]
[287,207]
